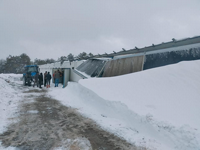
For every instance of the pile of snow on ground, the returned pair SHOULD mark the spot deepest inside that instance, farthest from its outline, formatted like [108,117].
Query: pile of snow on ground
[156,108]
[8,101]
[168,96]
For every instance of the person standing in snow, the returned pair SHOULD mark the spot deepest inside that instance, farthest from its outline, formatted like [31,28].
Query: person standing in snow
[56,76]
[36,79]
[45,79]
[48,76]
[40,80]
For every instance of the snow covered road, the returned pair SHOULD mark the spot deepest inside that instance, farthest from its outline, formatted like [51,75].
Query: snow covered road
[41,122]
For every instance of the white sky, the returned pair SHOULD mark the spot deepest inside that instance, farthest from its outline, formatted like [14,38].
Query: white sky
[53,28]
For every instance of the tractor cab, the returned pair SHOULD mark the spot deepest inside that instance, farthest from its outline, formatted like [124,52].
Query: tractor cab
[29,73]
[33,69]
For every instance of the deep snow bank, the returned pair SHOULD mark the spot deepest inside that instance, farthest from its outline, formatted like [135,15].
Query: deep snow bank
[157,108]
[170,93]
[154,108]
[9,98]
[117,118]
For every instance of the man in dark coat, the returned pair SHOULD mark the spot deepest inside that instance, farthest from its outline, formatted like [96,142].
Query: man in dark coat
[40,80]
[45,78]
[48,77]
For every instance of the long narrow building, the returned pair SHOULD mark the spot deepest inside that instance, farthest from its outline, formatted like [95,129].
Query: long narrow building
[127,61]
[138,59]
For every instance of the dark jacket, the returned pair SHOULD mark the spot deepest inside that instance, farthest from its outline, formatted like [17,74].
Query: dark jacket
[45,77]
[40,78]
[48,76]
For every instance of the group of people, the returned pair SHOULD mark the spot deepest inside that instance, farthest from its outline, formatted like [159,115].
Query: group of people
[39,80]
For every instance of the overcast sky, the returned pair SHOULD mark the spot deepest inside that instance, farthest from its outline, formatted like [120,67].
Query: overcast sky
[53,28]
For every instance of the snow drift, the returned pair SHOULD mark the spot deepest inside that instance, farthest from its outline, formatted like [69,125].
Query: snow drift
[167,96]
[168,93]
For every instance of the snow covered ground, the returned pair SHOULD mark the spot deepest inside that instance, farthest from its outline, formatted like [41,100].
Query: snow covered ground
[157,108]
[9,98]
[170,93]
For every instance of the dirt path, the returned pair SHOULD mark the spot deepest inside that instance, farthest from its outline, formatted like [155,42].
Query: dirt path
[44,124]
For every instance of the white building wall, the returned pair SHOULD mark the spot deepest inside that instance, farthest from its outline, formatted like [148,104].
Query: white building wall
[73,77]
[66,77]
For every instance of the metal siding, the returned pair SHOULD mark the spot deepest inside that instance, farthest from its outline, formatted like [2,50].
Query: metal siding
[172,57]
[123,66]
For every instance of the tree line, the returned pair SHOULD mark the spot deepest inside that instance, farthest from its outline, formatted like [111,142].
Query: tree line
[15,64]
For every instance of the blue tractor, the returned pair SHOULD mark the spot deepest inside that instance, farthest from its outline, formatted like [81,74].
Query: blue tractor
[29,74]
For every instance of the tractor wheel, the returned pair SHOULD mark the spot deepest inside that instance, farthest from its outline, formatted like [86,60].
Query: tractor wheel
[29,83]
